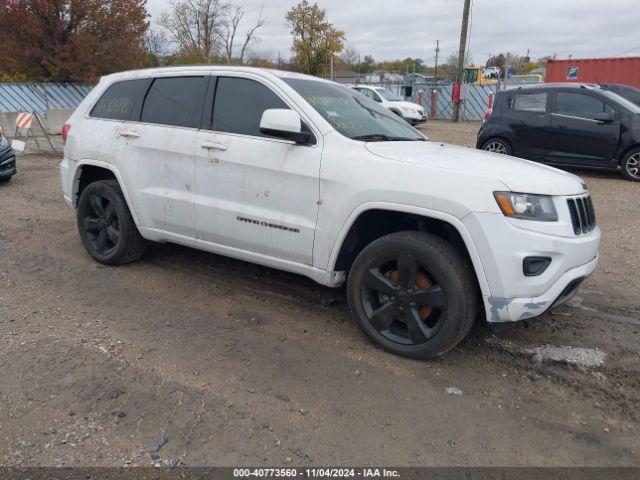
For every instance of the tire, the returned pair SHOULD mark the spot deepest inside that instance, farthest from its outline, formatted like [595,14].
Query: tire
[497,145]
[106,227]
[5,179]
[413,294]
[630,165]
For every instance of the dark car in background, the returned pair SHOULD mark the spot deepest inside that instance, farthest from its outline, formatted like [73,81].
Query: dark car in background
[630,93]
[7,159]
[565,124]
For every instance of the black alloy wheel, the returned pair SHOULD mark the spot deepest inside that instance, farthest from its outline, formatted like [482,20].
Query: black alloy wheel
[105,224]
[402,302]
[101,225]
[413,294]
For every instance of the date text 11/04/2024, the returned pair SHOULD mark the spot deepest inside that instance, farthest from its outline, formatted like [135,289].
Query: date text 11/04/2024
[316,473]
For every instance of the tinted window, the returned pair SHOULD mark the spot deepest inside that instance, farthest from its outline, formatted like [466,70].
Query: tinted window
[119,100]
[175,101]
[239,105]
[580,105]
[532,102]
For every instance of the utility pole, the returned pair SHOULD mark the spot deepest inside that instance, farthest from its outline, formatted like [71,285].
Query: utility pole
[461,54]
[435,70]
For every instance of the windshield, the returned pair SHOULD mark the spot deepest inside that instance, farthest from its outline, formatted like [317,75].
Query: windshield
[387,95]
[631,94]
[620,100]
[351,113]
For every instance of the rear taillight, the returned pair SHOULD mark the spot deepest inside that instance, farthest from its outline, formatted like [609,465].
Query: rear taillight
[488,114]
[65,132]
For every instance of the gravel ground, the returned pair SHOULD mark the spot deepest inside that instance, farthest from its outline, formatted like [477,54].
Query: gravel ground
[236,364]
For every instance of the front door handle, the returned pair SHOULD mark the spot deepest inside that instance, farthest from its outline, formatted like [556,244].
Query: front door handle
[214,146]
[129,134]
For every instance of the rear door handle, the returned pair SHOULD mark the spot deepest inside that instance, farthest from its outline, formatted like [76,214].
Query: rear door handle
[214,146]
[129,134]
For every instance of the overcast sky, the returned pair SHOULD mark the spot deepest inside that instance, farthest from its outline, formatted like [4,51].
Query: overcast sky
[391,29]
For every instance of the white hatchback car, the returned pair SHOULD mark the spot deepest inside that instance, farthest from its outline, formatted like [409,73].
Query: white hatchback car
[308,176]
[411,112]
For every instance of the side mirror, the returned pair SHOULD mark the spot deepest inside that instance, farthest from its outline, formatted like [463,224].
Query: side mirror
[605,117]
[284,123]
[377,98]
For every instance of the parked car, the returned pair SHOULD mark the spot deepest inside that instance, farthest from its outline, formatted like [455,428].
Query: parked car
[411,112]
[630,93]
[308,176]
[492,72]
[565,124]
[7,159]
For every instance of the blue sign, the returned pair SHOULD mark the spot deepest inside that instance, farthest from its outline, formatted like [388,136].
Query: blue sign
[572,73]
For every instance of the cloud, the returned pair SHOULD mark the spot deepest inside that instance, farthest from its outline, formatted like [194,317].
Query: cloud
[391,29]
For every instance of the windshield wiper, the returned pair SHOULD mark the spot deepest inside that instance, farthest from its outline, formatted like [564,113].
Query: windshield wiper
[381,137]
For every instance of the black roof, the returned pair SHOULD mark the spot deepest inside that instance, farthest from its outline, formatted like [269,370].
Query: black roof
[546,86]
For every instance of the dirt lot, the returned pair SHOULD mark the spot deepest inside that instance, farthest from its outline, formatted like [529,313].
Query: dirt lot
[236,364]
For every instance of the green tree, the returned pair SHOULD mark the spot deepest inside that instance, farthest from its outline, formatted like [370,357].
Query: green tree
[367,65]
[315,39]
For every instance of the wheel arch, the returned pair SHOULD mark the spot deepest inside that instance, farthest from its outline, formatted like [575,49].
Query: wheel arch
[498,137]
[89,171]
[624,152]
[374,220]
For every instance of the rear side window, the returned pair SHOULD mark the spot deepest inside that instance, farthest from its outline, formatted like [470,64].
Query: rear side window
[175,101]
[580,105]
[531,102]
[119,100]
[239,105]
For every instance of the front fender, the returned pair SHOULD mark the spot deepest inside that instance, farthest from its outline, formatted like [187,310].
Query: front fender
[421,211]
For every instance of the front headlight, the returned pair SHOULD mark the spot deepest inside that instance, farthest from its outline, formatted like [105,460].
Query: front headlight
[4,143]
[527,206]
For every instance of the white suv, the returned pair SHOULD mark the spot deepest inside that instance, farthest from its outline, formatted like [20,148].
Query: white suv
[308,176]
[411,112]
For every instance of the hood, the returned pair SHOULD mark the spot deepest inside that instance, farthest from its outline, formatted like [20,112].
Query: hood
[402,103]
[517,174]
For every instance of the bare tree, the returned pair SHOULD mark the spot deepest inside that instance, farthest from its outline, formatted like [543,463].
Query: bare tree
[250,35]
[350,56]
[155,43]
[195,26]
[229,30]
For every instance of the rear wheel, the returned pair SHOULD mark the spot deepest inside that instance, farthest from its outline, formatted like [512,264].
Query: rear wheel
[631,165]
[413,294]
[106,227]
[497,145]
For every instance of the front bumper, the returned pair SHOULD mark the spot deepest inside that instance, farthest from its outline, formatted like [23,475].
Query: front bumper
[502,246]
[500,309]
[415,119]
[7,163]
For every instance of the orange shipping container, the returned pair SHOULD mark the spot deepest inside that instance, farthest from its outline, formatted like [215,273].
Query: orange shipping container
[625,70]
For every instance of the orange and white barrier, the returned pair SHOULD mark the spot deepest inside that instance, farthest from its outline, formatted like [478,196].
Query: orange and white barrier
[24,120]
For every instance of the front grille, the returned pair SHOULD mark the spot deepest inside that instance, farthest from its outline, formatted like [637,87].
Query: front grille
[583,217]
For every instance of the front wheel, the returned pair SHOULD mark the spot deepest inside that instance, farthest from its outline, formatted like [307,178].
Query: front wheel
[106,226]
[413,294]
[5,179]
[497,145]
[631,165]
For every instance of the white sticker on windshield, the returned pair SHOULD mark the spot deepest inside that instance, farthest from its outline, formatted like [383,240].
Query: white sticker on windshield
[333,114]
